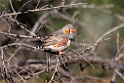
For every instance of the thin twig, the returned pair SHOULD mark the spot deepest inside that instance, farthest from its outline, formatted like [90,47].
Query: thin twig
[40,9]
[106,34]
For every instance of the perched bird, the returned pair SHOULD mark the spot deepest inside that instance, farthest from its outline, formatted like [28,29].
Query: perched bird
[59,40]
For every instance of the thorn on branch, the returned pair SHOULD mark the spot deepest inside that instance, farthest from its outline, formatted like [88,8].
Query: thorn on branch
[106,66]
[81,67]
[112,82]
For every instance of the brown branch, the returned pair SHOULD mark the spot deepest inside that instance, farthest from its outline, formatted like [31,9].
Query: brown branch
[40,9]
[76,60]
[97,60]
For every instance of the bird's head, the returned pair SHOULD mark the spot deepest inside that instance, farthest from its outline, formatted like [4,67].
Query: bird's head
[69,30]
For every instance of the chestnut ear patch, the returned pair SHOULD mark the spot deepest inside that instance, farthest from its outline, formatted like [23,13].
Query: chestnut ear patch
[67,31]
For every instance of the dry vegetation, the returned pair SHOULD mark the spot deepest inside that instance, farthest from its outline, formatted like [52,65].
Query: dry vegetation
[95,55]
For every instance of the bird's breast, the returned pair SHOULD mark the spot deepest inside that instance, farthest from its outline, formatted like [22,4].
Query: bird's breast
[62,45]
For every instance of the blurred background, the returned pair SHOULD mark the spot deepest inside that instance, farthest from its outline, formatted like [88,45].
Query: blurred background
[91,20]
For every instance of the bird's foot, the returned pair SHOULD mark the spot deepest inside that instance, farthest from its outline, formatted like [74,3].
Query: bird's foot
[61,53]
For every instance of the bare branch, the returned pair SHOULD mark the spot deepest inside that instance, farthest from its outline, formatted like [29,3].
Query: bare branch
[40,9]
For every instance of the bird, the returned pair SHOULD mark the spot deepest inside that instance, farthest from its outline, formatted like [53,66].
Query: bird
[59,40]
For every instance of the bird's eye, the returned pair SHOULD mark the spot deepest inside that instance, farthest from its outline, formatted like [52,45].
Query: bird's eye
[67,31]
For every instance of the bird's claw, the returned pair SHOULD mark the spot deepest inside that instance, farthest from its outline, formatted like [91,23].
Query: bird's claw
[61,53]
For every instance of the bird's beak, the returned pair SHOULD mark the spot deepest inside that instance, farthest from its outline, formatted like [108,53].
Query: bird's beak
[73,30]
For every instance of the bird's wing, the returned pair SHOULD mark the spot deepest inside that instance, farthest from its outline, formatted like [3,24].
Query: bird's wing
[55,38]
